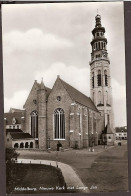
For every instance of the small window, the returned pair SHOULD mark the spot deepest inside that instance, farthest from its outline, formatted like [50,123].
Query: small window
[58,98]
[17,126]
[99,78]
[13,126]
[8,140]
[109,137]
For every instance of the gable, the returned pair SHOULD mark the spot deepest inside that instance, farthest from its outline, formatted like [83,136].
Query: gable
[33,94]
[16,115]
[59,90]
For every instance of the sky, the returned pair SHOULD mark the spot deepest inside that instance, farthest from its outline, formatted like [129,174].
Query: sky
[50,39]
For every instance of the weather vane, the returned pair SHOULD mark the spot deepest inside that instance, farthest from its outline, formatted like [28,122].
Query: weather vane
[97,11]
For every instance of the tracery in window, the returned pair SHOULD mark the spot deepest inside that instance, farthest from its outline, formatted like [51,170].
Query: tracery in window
[59,123]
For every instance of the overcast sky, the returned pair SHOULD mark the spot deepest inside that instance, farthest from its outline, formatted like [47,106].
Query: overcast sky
[46,40]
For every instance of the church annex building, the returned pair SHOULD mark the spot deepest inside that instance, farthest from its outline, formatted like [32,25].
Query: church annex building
[63,114]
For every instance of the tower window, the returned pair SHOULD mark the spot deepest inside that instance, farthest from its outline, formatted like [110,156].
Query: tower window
[93,80]
[97,34]
[99,45]
[99,78]
[59,123]
[96,46]
[106,97]
[34,124]
[108,119]
[106,79]
[102,45]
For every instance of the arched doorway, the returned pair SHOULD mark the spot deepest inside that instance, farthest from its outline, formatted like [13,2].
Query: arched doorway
[26,145]
[21,145]
[16,145]
[31,144]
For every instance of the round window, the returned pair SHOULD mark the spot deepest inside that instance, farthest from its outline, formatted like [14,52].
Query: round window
[58,98]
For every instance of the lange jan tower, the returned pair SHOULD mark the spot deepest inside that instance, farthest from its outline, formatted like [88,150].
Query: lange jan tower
[100,79]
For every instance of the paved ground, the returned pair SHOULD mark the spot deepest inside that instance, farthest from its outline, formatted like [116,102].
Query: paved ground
[76,158]
[85,164]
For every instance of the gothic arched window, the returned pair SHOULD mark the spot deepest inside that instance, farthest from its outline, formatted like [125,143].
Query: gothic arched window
[59,123]
[106,79]
[34,124]
[99,78]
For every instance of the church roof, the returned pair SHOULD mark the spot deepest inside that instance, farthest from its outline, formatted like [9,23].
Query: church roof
[108,129]
[9,117]
[78,96]
[21,136]
[13,131]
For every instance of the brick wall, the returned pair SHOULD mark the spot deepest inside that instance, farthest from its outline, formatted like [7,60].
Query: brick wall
[30,106]
[52,105]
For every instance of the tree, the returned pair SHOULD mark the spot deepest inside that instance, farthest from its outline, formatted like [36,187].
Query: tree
[11,168]
[11,155]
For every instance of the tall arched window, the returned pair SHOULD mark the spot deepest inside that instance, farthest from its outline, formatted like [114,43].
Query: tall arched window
[98,45]
[99,78]
[99,97]
[106,79]
[93,80]
[59,123]
[34,124]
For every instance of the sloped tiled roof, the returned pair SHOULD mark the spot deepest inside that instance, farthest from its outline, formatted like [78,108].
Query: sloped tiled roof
[13,131]
[21,136]
[78,96]
[108,129]
[121,129]
[10,116]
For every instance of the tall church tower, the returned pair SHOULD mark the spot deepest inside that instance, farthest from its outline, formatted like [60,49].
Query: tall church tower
[100,80]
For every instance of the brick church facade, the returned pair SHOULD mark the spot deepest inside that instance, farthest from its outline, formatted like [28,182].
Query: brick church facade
[65,115]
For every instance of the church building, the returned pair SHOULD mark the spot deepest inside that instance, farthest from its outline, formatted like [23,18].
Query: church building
[66,116]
